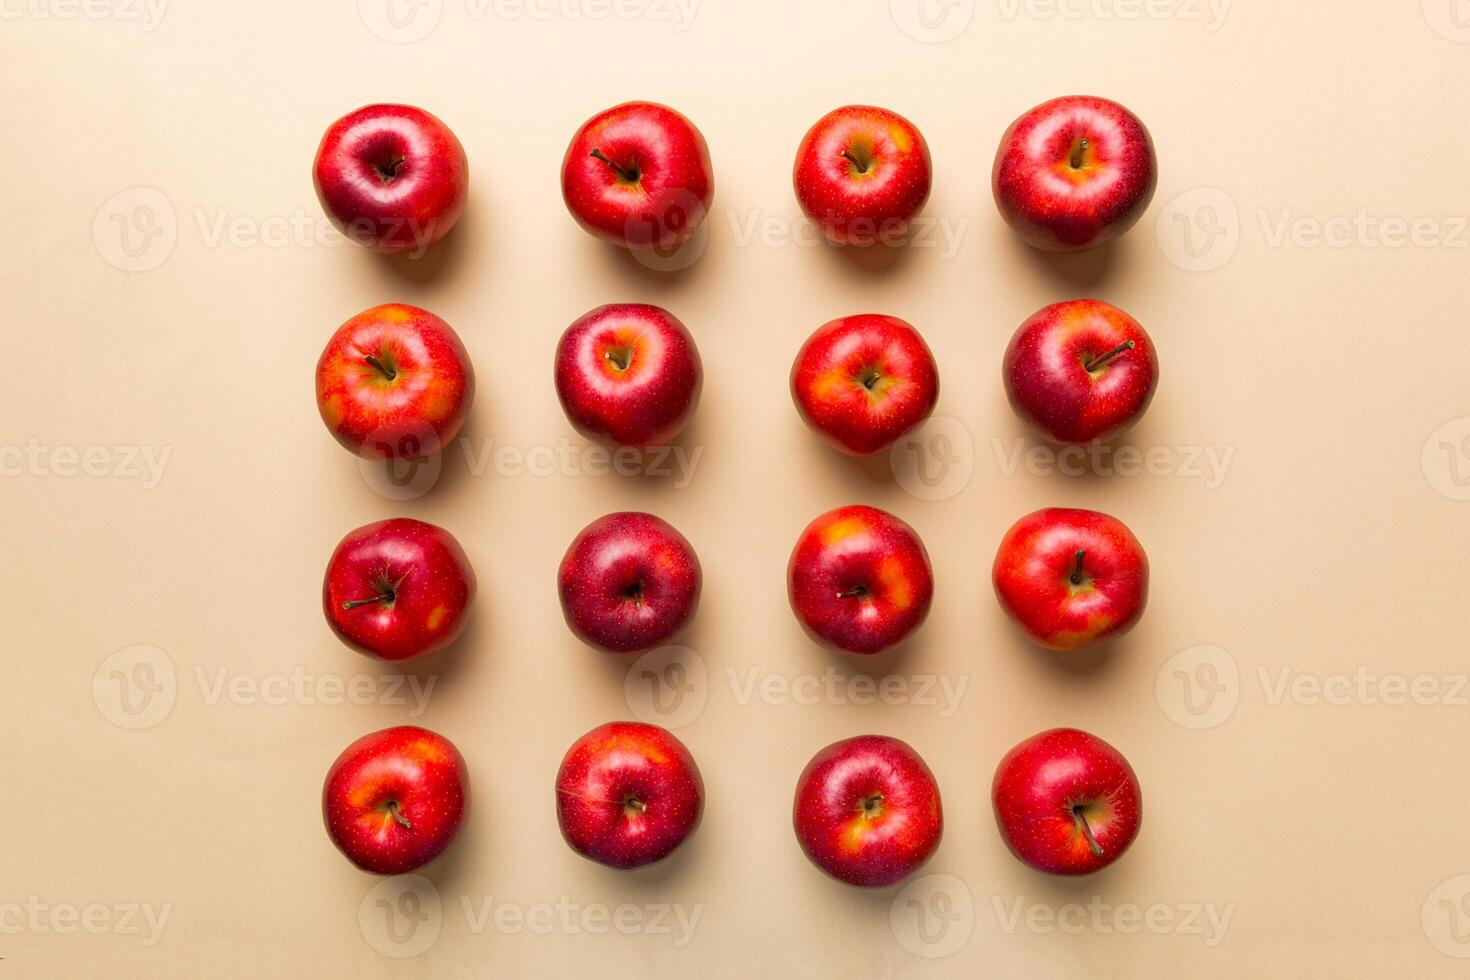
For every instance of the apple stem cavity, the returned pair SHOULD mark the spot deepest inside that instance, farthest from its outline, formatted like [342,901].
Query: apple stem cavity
[388,169]
[856,592]
[1096,362]
[1079,154]
[1076,577]
[620,358]
[387,596]
[862,167]
[1082,825]
[392,808]
[383,369]
[873,806]
[624,173]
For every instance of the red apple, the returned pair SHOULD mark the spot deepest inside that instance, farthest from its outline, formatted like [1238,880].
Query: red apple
[629,582]
[627,794]
[862,174]
[395,799]
[1066,802]
[628,374]
[394,382]
[1074,173]
[867,810]
[1079,371]
[398,589]
[864,381]
[638,175]
[1070,578]
[392,177]
[859,580]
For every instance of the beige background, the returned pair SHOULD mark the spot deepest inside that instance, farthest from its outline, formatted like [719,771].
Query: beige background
[1332,835]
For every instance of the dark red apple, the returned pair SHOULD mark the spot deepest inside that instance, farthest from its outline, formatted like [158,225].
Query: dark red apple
[1074,173]
[627,794]
[395,799]
[628,374]
[865,381]
[391,177]
[862,173]
[629,582]
[394,382]
[1079,371]
[638,175]
[859,580]
[1066,802]
[1070,578]
[398,589]
[867,811]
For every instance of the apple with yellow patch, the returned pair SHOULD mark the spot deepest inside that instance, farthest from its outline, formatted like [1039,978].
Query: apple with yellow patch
[1070,577]
[859,580]
[862,174]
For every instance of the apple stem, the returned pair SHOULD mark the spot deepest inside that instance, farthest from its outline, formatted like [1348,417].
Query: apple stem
[621,171]
[861,167]
[620,359]
[856,592]
[1079,154]
[398,815]
[1099,361]
[380,367]
[354,603]
[1076,578]
[1086,830]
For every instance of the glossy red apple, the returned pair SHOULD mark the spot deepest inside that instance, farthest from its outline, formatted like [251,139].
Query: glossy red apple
[395,799]
[394,382]
[638,175]
[1070,578]
[629,582]
[398,589]
[1074,173]
[628,374]
[862,173]
[864,381]
[867,810]
[1066,802]
[859,580]
[1080,371]
[392,177]
[627,794]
